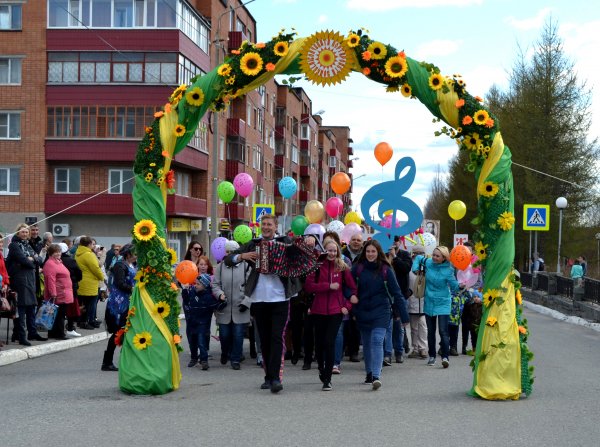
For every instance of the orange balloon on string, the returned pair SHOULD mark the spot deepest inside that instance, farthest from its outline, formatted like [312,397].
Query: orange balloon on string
[340,183]
[186,272]
[460,257]
[383,153]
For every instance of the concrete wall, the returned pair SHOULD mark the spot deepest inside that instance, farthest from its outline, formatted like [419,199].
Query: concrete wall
[583,309]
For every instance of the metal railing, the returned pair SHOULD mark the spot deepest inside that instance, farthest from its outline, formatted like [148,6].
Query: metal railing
[564,285]
[591,289]
[542,281]
[526,279]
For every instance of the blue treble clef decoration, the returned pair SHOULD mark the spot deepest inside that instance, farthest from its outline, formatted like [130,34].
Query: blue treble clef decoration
[390,196]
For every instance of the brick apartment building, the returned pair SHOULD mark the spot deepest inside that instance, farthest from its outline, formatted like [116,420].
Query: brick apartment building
[80,80]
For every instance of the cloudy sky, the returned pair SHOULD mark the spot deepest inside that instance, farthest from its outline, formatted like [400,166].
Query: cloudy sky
[478,39]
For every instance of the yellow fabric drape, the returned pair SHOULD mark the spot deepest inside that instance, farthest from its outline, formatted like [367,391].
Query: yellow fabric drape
[164,330]
[494,156]
[447,104]
[167,124]
[499,375]
[281,65]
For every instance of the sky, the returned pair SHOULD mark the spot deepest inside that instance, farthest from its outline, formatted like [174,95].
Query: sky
[479,39]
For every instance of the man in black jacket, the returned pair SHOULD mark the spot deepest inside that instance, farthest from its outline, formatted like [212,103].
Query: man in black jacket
[270,295]
[402,264]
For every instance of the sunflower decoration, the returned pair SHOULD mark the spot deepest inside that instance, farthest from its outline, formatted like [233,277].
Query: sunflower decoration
[144,230]
[326,58]
[142,340]
[172,256]
[224,70]
[179,130]
[506,220]
[353,40]
[281,49]
[377,50]
[490,296]
[406,90]
[436,81]
[396,67]
[491,321]
[251,64]
[481,117]
[488,189]
[195,97]
[162,308]
[472,141]
[480,250]
[519,297]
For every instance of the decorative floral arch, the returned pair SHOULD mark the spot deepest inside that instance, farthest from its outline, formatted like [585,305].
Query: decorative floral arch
[150,341]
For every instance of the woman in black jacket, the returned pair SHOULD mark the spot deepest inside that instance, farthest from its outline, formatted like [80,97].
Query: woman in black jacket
[73,312]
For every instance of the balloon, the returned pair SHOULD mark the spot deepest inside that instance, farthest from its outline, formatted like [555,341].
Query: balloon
[386,222]
[428,242]
[336,226]
[299,224]
[352,217]
[334,207]
[383,153]
[468,277]
[460,257]
[242,234]
[287,187]
[314,211]
[340,183]
[226,191]
[457,209]
[350,230]
[186,272]
[217,248]
[243,184]
[316,229]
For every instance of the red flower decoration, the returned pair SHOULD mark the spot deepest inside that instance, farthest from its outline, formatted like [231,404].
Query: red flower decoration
[170,179]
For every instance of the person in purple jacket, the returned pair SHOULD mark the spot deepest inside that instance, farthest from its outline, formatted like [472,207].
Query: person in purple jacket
[329,283]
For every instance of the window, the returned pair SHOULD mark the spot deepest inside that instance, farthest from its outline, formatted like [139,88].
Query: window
[305,132]
[67,180]
[10,180]
[222,148]
[332,161]
[295,154]
[182,180]
[10,70]
[10,17]
[120,181]
[10,125]
[200,138]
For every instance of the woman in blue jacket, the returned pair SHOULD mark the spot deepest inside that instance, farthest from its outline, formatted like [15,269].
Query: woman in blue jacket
[439,281]
[378,295]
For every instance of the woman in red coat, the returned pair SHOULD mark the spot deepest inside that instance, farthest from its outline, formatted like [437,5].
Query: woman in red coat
[335,291]
[58,287]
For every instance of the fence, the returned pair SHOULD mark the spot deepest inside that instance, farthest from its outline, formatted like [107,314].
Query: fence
[564,285]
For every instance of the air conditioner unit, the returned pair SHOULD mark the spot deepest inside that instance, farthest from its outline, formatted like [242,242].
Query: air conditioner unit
[63,230]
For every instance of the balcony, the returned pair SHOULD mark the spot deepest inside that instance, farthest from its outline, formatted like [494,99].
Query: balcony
[121,204]
[304,171]
[186,206]
[233,168]
[279,132]
[236,211]
[350,164]
[279,160]
[350,150]
[305,145]
[236,128]
[235,40]
[260,178]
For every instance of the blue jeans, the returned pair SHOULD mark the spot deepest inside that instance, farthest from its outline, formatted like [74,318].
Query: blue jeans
[232,340]
[197,335]
[372,340]
[91,313]
[394,338]
[443,321]
[339,345]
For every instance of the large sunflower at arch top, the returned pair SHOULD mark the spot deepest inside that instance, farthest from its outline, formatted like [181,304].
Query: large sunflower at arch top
[326,58]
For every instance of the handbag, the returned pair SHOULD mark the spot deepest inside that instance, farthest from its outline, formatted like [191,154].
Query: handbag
[46,315]
[8,303]
[419,291]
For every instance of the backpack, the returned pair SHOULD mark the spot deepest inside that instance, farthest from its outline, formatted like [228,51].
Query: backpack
[541,266]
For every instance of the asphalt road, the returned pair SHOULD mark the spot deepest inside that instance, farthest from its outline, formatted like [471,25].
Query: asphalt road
[64,399]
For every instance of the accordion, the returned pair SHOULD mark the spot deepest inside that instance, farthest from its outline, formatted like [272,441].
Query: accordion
[290,260]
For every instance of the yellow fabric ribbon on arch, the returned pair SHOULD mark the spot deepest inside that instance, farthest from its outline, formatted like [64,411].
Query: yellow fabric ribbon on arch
[447,105]
[490,163]
[167,124]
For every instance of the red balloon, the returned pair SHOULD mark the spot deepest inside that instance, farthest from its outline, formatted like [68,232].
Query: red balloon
[460,257]
[186,272]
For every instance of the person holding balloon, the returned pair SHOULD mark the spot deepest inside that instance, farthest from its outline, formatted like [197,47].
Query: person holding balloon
[439,282]
[194,251]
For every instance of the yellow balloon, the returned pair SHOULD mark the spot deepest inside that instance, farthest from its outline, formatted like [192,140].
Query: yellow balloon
[314,211]
[387,213]
[352,217]
[457,209]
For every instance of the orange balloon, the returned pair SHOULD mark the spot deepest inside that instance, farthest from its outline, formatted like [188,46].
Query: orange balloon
[186,272]
[460,257]
[383,153]
[340,183]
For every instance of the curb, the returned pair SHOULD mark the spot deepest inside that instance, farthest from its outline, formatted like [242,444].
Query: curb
[16,355]
[560,316]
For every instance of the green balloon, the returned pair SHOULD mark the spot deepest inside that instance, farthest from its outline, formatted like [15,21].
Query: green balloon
[299,224]
[226,191]
[242,234]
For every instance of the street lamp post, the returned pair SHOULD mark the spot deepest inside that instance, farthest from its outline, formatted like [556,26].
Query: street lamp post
[598,254]
[561,204]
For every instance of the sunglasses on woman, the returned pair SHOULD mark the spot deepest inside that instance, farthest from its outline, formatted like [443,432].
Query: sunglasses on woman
[197,248]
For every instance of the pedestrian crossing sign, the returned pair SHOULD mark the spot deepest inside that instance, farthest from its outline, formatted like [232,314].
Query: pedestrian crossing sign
[536,217]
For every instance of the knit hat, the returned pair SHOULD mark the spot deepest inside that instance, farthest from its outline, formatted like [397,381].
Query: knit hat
[231,246]
[204,279]
[63,247]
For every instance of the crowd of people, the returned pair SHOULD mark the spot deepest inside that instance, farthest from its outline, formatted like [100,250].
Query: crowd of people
[357,295]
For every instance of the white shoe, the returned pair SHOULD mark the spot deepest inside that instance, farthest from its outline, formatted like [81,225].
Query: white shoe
[73,333]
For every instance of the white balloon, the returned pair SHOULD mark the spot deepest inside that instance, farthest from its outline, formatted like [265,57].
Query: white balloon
[336,226]
[430,242]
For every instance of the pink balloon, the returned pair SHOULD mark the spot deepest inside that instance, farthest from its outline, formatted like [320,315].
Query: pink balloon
[386,222]
[334,207]
[467,277]
[350,230]
[243,184]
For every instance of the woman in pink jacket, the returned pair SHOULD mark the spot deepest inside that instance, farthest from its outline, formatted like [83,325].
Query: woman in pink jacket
[58,287]
[335,292]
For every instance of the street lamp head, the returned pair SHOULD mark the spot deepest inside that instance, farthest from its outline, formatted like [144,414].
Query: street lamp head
[598,236]
[561,203]
[320,112]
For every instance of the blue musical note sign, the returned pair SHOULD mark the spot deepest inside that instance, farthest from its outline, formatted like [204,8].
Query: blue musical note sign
[390,196]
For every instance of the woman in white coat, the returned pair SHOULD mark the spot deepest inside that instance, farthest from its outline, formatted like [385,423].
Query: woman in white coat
[234,318]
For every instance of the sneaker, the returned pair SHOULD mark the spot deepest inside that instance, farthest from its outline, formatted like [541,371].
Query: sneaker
[236,366]
[387,361]
[431,361]
[414,355]
[204,365]
[376,383]
[369,379]
[321,377]
[73,334]
[259,360]
[276,386]
[192,363]
[445,362]
[327,387]
[453,352]
[336,370]
[399,358]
